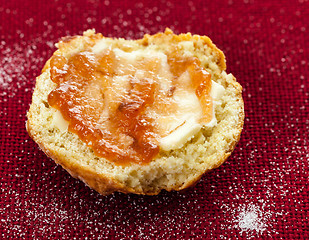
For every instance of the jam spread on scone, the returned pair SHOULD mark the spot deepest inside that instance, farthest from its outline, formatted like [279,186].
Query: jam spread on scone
[127,105]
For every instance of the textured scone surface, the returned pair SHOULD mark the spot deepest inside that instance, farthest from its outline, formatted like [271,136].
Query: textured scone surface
[170,170]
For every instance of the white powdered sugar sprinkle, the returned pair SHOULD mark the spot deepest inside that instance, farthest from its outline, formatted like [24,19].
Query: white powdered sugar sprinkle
[19,64]
[252,218]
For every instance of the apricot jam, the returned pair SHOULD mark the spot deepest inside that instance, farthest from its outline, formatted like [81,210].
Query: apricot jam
[106,100]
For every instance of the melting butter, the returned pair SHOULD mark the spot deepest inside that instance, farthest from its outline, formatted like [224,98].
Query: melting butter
[59,121]
[178,127]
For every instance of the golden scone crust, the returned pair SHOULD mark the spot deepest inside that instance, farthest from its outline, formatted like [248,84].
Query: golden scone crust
[173,170]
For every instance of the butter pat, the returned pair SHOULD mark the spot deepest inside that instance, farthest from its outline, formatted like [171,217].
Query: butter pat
[101,45]
[189,127]
[216,91]
[181,135]
[59,122]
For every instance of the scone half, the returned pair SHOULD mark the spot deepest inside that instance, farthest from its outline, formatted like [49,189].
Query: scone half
[182,158]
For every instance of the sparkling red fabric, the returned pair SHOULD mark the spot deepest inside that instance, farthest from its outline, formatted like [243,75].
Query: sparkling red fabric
[261,192]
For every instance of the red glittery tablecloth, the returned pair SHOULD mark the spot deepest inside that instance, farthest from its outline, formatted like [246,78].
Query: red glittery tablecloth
[260,192]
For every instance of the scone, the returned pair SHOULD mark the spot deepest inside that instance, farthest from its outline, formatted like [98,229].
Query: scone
[136,116]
